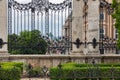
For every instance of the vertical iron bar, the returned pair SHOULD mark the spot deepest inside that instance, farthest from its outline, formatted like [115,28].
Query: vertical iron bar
[62,22]
[21,19]
[42,23]
[33,18]
[28,20]
[65,14]
[47,23]
[14,21]
[67,37]
[24,20]
[17,22]
[35,28]
[38,20]
[9,18]
[51,25]
[55,24]
[58,25]
[85,13]
[47,18]
[101,28]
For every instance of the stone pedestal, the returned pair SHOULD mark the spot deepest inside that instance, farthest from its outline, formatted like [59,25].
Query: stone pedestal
[77,22]
[3,27]
[93,25]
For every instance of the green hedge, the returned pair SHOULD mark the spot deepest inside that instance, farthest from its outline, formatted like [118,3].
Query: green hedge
[71,71]
[12,64]
[10,74]
[35,72]
[11,70]
[87,65]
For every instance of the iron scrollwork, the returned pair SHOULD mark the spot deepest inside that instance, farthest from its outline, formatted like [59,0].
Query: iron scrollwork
[41,15]
[108,45]
[40,5]
[108,6]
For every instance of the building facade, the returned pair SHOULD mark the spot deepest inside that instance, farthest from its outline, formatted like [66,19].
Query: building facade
[107,31]
[108,23]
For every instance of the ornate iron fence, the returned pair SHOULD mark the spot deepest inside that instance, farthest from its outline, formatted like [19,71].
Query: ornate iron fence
[54,23]
[106,44]
[49,18]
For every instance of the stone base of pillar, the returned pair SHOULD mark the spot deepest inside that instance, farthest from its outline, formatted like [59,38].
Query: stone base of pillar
[86,51]
[92,54]
[4,56]
[77,53]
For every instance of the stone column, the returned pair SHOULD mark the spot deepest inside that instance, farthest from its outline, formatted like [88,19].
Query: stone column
[3,25]
[93,25]
[77,22]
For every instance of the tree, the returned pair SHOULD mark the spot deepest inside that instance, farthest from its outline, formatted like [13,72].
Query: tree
[28,42]
[12,39]
[116,16]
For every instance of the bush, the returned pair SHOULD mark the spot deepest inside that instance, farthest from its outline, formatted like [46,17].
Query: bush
[28,42]
[71,71]
[12,65]
[10,70]
[100,65]
[10,74]
[35,72]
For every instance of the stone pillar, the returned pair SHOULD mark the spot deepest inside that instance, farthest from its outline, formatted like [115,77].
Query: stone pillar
[77,22]
[93,25]
[3,26]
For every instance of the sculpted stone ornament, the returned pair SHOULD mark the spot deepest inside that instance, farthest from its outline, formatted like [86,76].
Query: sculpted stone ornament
[1,41]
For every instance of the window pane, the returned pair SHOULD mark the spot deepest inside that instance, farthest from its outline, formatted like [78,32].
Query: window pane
[101,16]
[101,31]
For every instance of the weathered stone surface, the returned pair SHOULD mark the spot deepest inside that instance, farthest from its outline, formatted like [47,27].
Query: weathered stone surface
[77,23]
[54,60]
[3,24]
[93,25]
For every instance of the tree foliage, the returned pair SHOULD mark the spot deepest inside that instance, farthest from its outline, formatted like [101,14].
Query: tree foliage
[116,16]
[27,42]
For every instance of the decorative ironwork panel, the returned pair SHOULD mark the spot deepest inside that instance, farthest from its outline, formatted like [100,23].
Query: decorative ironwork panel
[48,18]
[107,44]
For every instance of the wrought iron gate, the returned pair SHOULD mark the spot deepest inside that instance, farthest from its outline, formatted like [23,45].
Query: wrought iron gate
[107,44]
[49,18]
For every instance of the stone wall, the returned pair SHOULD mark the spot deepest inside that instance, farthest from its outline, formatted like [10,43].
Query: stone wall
[54,60]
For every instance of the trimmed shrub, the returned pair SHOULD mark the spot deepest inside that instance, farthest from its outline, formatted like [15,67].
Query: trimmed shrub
[35,72]
[72,71]
[100,65]
[10,70]
[10,74]
[12,64]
